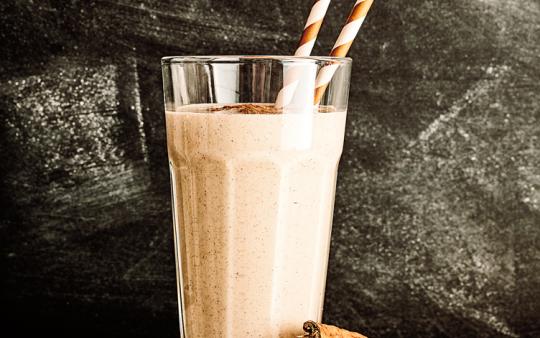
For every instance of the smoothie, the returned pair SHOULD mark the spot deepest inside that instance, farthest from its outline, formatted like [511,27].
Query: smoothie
[253,198]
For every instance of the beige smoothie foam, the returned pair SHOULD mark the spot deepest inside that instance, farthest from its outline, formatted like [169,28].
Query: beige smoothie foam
[247,270]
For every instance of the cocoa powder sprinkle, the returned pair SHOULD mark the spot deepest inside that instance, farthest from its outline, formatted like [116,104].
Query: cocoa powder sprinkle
[254,108]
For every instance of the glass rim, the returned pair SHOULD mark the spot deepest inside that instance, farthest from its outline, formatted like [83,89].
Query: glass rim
[207,59]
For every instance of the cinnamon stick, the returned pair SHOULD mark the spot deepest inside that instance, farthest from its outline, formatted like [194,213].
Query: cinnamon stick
[316,330]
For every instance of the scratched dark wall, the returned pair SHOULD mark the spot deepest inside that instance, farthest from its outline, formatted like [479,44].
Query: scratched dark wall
[437,221]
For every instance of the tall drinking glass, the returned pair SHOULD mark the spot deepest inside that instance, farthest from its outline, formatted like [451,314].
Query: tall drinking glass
[252,189]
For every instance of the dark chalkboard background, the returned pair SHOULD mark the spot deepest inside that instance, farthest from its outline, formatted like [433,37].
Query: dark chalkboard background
[437,221]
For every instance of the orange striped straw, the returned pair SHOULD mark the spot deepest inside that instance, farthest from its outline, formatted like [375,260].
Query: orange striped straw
[312,27]
[342,45]
[305,46]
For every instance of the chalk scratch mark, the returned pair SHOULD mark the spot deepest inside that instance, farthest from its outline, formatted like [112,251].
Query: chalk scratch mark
[472,95]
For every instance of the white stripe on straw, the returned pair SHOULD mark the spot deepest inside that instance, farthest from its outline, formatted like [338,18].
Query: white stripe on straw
[348,33]
[318,11]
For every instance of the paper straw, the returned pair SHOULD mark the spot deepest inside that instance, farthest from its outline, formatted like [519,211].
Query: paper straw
[342,45]
[305,46]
